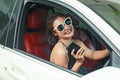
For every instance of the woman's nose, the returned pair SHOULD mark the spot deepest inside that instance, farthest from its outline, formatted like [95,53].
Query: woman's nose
[65,26]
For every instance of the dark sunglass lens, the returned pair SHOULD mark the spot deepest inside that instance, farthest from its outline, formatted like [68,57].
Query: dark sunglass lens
[60,27]
[68,21]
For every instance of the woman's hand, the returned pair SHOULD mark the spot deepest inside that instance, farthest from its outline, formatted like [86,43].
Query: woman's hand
[79,56]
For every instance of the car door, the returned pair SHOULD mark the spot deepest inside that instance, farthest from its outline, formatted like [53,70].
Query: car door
[4,20]
[18,65]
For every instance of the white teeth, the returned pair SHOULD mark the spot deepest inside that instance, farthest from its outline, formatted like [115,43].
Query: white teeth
[68,31]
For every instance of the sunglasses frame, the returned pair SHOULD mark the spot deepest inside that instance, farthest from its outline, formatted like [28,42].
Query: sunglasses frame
[55,28]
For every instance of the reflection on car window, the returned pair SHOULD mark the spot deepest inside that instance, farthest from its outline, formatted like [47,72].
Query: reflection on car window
[5,7]
[3,20]
[109,10]
[110,14]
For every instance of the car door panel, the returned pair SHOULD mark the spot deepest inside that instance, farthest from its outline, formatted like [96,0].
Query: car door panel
[17,66]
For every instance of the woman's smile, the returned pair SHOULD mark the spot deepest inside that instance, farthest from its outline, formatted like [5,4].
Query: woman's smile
[68,31]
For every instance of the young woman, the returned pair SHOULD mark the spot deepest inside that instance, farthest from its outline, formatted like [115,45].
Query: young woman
[60,31]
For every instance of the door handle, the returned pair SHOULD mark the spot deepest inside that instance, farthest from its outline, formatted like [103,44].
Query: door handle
[14,74]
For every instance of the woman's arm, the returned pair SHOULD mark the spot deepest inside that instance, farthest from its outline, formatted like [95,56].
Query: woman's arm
[59,56]
[99,54]
[95,55]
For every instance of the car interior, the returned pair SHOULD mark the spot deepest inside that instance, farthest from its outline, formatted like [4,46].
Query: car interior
[34,34]
[35,41]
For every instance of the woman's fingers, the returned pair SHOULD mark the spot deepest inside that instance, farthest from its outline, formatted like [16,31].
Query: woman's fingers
[80,51]
[79,54]
[72,53]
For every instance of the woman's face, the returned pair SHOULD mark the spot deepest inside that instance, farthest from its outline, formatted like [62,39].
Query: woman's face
[63,27]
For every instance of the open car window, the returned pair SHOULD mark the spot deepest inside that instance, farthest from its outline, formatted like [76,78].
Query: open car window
[33,38]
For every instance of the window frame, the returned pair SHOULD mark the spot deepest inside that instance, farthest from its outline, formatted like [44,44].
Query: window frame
[60,5]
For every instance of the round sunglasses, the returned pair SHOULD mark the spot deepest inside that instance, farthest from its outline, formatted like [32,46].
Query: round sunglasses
[60,27]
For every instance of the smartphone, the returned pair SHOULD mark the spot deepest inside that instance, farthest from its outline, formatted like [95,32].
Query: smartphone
[73,46]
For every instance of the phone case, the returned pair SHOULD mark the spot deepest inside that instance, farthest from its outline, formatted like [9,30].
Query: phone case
[73,46]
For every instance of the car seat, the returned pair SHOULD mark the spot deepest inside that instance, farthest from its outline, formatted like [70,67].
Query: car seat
[35,41]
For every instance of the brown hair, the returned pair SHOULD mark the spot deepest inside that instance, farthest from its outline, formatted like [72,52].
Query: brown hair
[49,27]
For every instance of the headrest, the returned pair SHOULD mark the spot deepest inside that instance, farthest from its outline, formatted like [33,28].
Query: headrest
[37,18]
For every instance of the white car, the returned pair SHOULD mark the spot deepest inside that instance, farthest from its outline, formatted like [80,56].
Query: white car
[24,47]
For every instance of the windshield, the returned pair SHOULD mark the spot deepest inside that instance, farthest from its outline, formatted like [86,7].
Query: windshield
[109,10]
